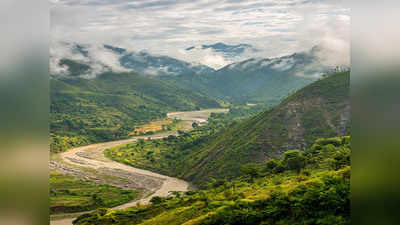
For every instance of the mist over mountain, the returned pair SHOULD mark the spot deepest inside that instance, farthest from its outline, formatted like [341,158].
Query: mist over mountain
[265,80]
[88,61]
[220,54]
[148,64]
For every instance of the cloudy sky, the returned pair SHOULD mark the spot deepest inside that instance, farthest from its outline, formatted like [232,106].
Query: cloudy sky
[167,27]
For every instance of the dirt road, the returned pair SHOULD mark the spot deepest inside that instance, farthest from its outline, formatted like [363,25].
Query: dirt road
[80,160]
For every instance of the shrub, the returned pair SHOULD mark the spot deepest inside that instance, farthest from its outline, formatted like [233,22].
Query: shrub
[271,164]
[294,160]
[157,200]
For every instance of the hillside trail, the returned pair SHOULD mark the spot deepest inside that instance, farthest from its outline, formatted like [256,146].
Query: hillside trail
[91,157]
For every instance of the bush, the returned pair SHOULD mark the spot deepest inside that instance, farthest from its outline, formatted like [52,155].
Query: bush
[250,169]
[157,200]
[294,160]
[271,164]
[279,168]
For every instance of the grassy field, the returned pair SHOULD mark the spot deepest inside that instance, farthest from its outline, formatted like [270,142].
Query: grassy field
[69,194]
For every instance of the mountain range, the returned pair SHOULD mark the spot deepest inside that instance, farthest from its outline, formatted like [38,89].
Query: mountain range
[259,80]
[109,88]
[232,53]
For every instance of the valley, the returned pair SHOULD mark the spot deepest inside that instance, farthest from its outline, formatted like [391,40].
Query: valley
[302,140]
[88,162]
[199,112]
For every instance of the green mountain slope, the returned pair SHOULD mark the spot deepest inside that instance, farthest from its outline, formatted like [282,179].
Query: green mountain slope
[241,87]
[320,109]
[269,193]
[108,107]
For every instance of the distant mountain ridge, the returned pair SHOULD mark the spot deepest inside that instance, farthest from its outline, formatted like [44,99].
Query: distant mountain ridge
[225,49]
[255,80]
[117,59]
[146,63]
[260,80]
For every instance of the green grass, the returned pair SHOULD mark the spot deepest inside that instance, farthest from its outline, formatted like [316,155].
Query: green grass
[319,194]
[69,194]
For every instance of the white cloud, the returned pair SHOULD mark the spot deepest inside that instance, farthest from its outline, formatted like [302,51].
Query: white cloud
[283,64]
[277,27]
[99,59]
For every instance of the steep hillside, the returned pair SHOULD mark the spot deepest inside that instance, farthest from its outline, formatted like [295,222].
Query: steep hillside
[303,188]
[321,109]
[108,107]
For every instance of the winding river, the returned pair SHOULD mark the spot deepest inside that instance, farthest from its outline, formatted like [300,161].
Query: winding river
[91,157]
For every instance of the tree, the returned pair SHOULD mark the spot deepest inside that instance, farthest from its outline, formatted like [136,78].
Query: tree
[250,169]
[194,125]
[294,160]
[141,141]
[97,200]
[271,164]
[156,200]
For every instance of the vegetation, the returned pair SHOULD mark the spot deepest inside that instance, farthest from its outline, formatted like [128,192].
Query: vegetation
[110,106]
[274,192]
[220,149]
[248,81]
[166,155]
[69,194]
[75,68]
[171,154]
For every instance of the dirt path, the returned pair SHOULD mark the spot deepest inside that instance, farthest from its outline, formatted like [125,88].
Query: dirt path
[91,158]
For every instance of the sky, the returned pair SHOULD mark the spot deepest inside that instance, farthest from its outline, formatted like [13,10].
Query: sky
[167,27]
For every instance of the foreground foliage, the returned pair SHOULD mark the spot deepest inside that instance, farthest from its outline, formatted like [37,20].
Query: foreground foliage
[275,192]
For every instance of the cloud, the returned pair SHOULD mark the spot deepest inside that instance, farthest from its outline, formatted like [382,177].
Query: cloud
[98,58]
[277,27]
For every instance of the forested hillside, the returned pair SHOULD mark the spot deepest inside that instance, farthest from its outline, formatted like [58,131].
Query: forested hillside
[108,107]
[321,109]
[310,187]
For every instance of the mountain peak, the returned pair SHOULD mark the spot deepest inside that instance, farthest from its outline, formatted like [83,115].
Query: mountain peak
[115,49]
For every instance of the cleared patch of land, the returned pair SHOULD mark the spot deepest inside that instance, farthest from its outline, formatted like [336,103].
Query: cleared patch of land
[153,126]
